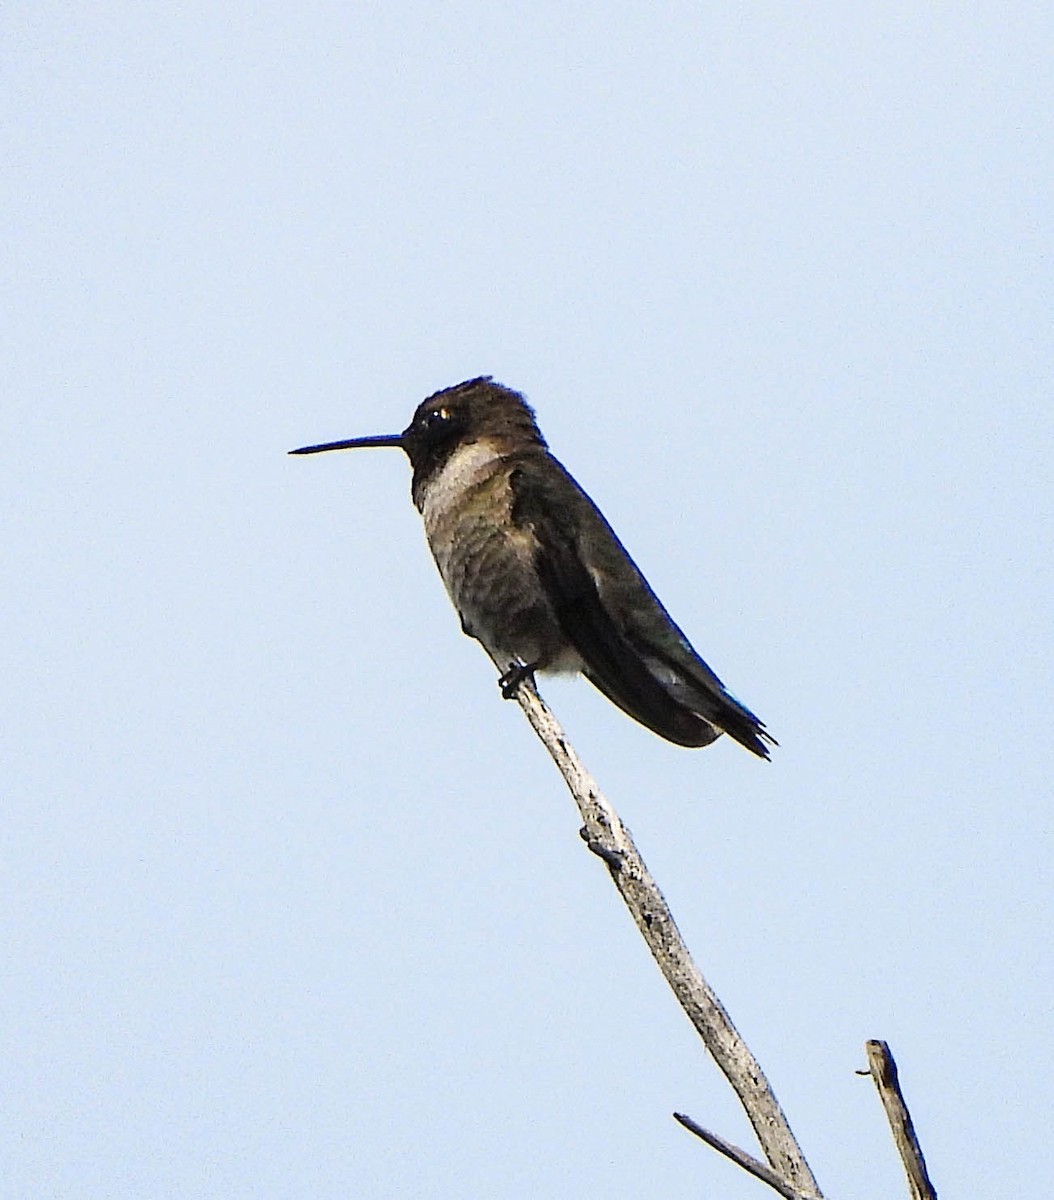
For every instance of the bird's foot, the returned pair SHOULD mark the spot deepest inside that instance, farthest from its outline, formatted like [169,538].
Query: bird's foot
[513,677]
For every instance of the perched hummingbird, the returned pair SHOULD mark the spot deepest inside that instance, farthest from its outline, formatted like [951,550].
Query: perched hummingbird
[539,577]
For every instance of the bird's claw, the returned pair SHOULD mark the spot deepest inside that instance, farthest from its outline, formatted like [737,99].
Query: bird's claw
[513,677]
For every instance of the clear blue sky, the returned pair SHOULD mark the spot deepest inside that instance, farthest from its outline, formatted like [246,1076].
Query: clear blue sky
[292,904]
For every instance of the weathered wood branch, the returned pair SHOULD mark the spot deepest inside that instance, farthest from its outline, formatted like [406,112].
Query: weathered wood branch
[740,1157]
[605,834]
[883,1070]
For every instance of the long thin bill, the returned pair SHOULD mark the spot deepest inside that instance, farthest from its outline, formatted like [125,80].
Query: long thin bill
[384,439]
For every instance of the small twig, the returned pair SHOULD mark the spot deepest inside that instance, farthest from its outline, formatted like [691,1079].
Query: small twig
[741,1158]
[612,858]
[607,837]
[884,1072]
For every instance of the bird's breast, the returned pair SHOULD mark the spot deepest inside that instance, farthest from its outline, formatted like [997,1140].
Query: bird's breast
[487,562]
[467,513]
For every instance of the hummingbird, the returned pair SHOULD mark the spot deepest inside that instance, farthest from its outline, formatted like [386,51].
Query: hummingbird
[539,577]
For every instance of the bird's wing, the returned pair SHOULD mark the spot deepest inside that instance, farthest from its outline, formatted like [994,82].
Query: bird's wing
[634,651]
[572,548]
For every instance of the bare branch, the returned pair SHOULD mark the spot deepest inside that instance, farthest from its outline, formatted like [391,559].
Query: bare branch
[606,836]
[884,1072]
[741,1158]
